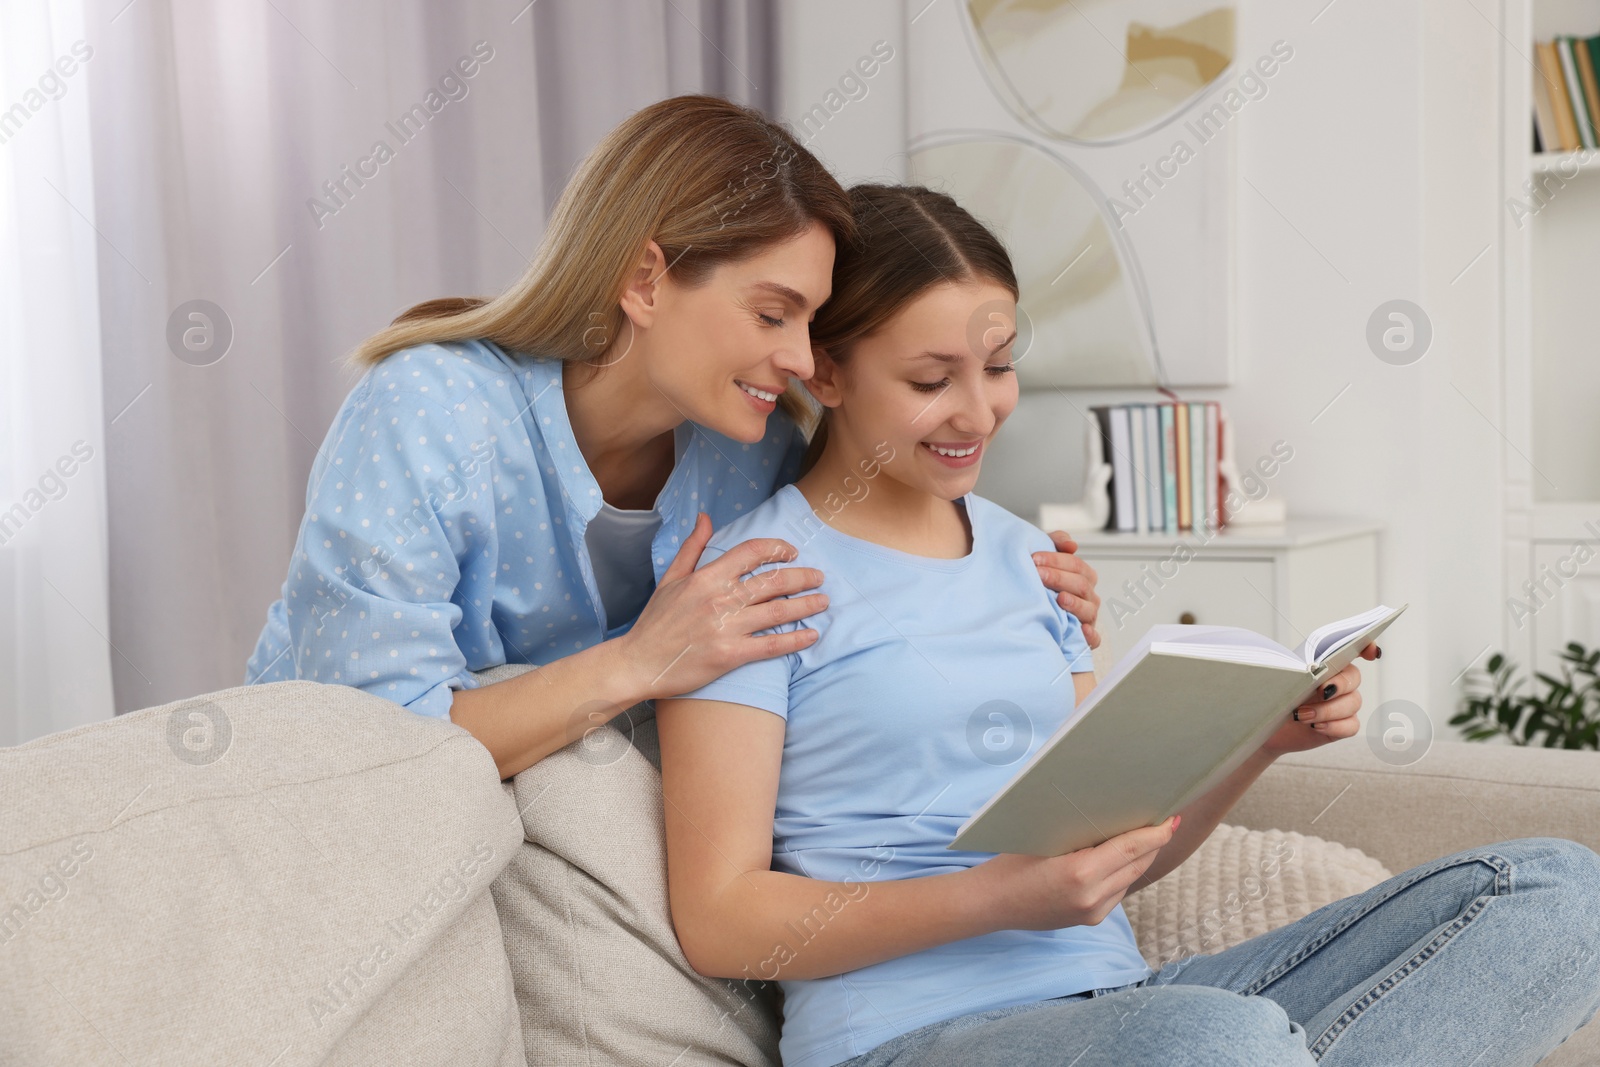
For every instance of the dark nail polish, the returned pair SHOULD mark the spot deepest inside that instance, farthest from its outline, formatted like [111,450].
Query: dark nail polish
[1378,654]
[1296,714]
[1328,690]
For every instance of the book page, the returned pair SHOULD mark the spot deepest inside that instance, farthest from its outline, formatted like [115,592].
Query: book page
[1324,640]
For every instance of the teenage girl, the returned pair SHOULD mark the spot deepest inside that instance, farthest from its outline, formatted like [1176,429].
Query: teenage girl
[810,797]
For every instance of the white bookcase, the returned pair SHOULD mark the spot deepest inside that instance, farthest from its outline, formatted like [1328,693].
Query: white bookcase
[1551,268]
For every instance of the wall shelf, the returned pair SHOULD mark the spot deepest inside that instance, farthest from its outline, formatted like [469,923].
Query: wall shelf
[1583,161]
[1551,455]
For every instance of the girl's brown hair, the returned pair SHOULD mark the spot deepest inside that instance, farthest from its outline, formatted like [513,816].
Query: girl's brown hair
[908,239]
[710,181]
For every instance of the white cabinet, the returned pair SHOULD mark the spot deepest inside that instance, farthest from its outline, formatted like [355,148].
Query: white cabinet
[1281,581]
[1565,604]
[1559,601]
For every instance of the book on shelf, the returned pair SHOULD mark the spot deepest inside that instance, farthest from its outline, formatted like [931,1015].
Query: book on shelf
[1178,713]
[1545,137]
[1213,436]
[1154,450]
[1580,106]
[1566,94]
[1583,60]
[1141,471]
[1180,421]
[1169,467]
[1198,470]
[1165,465]
[1124,449]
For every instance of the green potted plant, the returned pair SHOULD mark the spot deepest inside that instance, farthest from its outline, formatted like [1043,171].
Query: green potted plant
[1565,715]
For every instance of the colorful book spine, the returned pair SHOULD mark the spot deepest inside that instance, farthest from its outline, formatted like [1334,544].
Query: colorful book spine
[1122,470]
[1584,61]
[1213,475]
[1158,496]
[1580,107]
[1197,465]
[1141,470]
[1592,46]
[1169,467]
[1547,137]
[1180,422]
[1548,61]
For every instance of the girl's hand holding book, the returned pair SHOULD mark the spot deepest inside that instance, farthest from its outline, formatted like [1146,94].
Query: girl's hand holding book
[1329,717]
[1076,889]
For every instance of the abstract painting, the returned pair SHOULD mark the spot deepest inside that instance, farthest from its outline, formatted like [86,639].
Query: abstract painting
[1084,133]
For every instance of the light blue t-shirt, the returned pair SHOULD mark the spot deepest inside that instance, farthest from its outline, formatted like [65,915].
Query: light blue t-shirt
[445,522]
[930,683]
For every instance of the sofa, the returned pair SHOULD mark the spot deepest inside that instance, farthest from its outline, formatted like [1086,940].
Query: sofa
[299,873]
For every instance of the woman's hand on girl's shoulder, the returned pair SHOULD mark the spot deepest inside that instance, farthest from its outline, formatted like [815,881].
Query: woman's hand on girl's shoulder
[1073,581]
[700,624]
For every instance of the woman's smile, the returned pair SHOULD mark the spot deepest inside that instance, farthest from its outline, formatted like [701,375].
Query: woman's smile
[765,400]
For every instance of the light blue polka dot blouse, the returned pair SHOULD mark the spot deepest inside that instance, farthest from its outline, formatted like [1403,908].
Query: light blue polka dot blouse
[445,519]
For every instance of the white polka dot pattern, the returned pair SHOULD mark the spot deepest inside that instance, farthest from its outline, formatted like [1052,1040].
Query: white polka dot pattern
[444,526]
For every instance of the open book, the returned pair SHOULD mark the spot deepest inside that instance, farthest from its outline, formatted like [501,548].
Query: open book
[1178,714]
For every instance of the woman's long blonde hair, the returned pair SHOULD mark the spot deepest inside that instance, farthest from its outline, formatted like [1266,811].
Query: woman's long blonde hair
[709,180]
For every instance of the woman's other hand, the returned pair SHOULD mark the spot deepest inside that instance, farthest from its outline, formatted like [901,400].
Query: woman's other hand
[1329,716]
[698,624]
[1073,581]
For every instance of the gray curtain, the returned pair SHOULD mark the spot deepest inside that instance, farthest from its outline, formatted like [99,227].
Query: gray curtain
[725,47]
[225,139]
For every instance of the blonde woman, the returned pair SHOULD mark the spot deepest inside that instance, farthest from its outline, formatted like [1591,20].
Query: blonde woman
[531,478]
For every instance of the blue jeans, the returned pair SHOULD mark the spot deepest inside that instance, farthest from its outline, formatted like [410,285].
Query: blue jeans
[1486,958]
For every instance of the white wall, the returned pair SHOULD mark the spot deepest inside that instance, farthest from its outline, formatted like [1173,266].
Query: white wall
[1369,172]
[821,40]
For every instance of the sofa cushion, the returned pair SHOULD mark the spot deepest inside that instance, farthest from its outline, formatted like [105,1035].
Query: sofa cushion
[1240,883]
[600,977]
[290,873]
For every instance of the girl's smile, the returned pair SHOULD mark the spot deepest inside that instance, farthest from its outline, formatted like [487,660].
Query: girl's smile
[953,454]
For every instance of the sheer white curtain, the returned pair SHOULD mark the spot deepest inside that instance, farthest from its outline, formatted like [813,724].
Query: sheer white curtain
[55,662]
[229,138]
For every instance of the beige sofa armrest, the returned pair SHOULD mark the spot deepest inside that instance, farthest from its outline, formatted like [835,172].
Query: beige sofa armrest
[1459,795]
[291,872]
